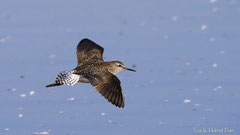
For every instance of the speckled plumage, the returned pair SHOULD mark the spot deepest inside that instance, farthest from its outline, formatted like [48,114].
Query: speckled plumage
[92,69]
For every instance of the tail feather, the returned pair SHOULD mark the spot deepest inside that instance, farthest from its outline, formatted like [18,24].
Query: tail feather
[65,77]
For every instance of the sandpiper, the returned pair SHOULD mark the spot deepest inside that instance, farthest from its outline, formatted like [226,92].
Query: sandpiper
[92,69]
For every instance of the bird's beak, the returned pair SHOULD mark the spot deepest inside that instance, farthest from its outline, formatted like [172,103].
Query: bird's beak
[129,69]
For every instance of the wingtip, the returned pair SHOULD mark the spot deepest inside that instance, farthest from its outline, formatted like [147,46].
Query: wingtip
[85,40]
[122,106]
[119,106]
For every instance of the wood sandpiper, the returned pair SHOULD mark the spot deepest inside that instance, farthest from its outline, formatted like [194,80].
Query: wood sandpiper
[92,69]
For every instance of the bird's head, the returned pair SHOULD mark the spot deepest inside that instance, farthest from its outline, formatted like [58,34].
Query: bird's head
[117,66]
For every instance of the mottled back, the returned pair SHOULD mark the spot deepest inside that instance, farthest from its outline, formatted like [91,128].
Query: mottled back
[88,50]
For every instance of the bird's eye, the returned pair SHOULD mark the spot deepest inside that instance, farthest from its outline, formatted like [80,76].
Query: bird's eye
[120,65]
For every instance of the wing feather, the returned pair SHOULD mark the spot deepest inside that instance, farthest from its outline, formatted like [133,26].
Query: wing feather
[108,85]
[87,50]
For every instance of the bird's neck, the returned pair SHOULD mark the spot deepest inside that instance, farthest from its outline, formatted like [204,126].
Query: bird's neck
[111,68]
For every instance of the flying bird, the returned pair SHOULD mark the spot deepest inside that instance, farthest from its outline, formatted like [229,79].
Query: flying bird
[91,68]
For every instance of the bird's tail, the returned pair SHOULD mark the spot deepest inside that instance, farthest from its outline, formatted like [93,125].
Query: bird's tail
[65,77]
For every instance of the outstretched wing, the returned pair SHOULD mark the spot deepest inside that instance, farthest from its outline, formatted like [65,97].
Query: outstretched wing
[108,85]
[87,50]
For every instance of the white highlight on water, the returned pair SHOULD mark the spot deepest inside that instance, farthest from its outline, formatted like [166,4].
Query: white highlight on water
[187,101]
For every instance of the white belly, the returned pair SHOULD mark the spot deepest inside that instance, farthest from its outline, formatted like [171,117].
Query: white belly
[83,79]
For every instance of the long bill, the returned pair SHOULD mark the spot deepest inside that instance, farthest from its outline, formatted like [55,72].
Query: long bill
[130,69]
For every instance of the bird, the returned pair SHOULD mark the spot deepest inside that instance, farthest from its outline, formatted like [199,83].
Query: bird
[91,68]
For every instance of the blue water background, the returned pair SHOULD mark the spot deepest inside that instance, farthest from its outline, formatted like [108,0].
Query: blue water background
[184,50]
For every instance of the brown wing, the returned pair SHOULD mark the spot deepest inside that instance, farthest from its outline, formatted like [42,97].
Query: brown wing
[87,50]
[108,85]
